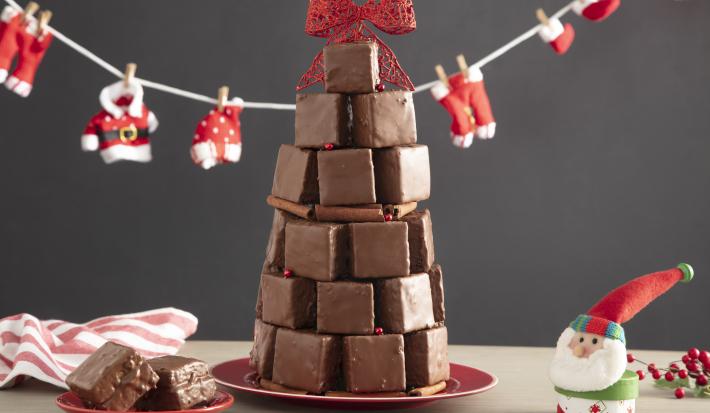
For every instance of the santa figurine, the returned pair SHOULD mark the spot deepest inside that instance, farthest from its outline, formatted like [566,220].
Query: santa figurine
[121,130]
[589,367]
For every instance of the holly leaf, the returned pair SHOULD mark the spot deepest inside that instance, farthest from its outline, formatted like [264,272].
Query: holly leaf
[663,383]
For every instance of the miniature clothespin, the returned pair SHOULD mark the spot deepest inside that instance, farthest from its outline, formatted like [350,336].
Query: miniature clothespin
[129,74]
[222,96]
[441,73]
[44,19]
[542,17]
[30,10]
[463,67]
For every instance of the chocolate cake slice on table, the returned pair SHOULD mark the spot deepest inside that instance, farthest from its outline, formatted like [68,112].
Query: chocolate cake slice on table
[184,383]
[114,377]
[352,307]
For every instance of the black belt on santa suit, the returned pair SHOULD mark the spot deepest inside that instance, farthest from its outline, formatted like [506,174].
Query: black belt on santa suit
[126,135]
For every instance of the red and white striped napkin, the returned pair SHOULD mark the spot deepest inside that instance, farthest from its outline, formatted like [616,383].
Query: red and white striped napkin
[51,349]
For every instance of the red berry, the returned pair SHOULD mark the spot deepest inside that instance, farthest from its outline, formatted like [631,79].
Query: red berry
[651,368]
[630,358]
[674,366]
[389,217]
[328,146]
[692,366]
[641,374]
[287,273]
[656,374]
[694,353]
[685,359]
[679,393]
[379,331]
[669,376]
[704,357]
[380,87]
[683,374]
[701,380]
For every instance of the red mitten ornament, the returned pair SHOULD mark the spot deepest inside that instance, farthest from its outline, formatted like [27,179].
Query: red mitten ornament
[595,10]
[122,129]
[558,36]
[10,25]
[218,137]
[467,102]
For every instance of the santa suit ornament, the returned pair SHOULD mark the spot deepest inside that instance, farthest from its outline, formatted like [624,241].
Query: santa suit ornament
[467,102]
[557,35]
[218,136]
[589,367]
[595,10]
[29,43]
[121,131]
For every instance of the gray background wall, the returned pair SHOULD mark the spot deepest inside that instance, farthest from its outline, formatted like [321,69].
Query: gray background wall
[599,171]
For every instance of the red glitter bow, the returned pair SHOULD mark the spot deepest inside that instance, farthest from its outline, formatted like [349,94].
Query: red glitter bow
[342,21]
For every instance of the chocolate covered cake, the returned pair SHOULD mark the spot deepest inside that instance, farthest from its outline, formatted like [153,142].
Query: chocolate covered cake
[351,300]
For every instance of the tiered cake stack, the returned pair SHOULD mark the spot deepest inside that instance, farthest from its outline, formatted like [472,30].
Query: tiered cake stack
[350,299]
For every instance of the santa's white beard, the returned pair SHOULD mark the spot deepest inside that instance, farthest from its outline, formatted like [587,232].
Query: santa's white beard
[602,369]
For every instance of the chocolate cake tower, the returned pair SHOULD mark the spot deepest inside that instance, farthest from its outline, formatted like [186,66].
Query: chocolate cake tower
[350,298]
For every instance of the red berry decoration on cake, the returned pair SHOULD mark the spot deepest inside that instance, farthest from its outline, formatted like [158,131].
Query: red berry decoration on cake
[389,217]
[328,146]
[378,331]
[287,273]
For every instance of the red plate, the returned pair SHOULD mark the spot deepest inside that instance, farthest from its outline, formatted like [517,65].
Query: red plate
[70,403]
[465,381]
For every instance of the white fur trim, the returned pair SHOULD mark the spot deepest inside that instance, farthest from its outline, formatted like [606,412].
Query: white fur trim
[18,86]
[486,131]
[208,163]
[139,153]
[551,31]
[602,369]
[89,143]
[440,91]
[232,152]
[203,150]
[111,93]
[462,141]
[474,74]
[152,122]
[577,405]
[579,5]
[3,75]
[238,102]
[8,13]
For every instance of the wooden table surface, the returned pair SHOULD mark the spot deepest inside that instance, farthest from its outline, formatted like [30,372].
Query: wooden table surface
[522,372]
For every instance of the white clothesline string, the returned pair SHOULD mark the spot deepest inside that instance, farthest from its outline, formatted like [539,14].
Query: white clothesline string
[268,105]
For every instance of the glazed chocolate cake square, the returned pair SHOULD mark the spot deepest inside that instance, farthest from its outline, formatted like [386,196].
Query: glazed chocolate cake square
[421,240]
[321,118]
[383,119]
[317,250]
[379,249]
[404,304]
[346,177]
[436,282]
[277,238]
[426,357]
[402,174]
[114,377]
[184,383]
[374,363]
[351,67]
[307,361]
[345,307]
[296,175]
[288,302]
[261,356]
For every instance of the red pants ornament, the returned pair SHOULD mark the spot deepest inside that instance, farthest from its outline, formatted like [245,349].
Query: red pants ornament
[467,103]
[596,10]
[218,137]
[24,40]
[122,129]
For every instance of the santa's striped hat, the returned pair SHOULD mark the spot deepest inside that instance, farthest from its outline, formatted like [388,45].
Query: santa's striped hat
[621,305]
